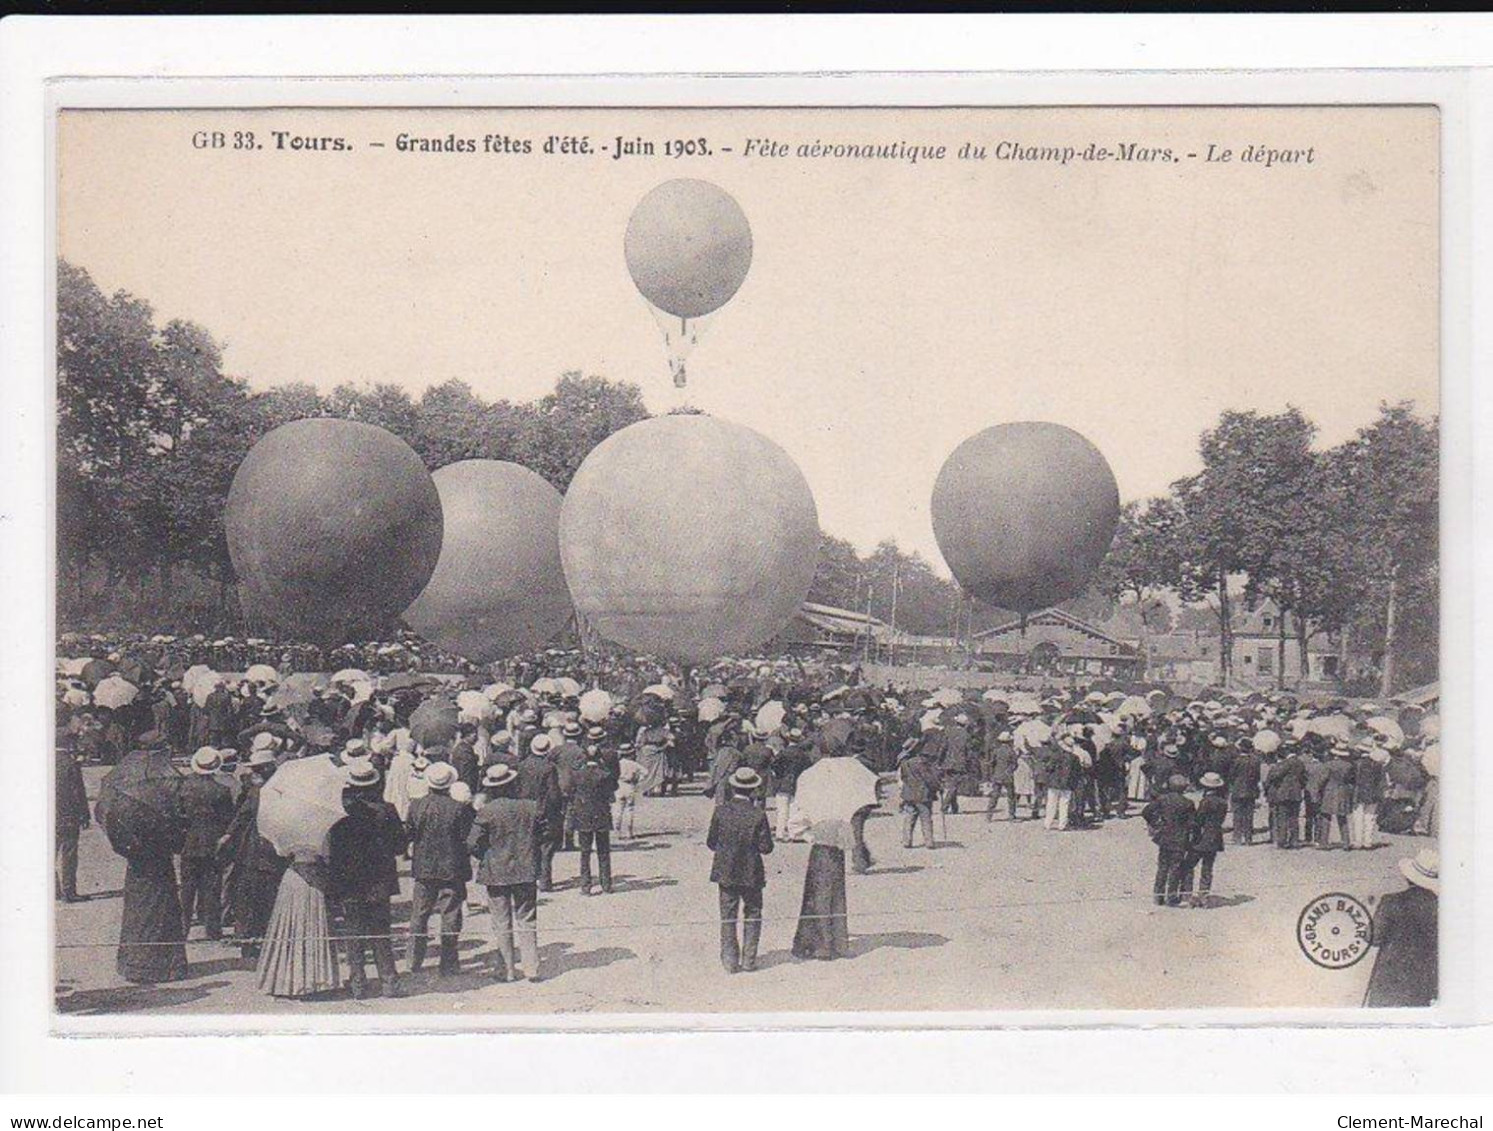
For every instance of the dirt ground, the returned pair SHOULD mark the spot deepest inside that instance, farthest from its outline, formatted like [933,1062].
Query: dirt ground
[999,916]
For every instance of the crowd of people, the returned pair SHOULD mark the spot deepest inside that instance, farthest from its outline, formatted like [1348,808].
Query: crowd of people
[481,777]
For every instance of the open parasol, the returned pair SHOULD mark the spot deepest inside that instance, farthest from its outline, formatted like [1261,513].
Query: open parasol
[544,686]
[769,717]
[1031,734]
[261,673]
[295,689]
[139,804]
[115,691]
[567,687]
[74,666]
[299,805]
[660,691]
[834,789]
[713,691]
[96,671]
[1331,726]
[1133,706]
[351,676]
[407,681]
[433,722]
[190,677]
[711,709]
[596,705]
[204,686]
[474,707]
[1389,729]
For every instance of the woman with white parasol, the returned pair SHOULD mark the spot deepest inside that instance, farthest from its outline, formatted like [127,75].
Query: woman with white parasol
[297,808]
[828,795]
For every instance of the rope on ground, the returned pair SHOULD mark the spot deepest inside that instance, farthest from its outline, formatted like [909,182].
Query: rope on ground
[563,928]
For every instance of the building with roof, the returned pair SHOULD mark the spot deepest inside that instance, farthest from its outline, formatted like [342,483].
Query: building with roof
[1054,642]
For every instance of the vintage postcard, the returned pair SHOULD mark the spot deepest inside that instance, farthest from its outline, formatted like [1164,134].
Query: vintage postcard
[600,564]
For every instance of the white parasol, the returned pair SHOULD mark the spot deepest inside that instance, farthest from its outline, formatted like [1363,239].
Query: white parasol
[190,677]
[1024,703]
[1134,706]
[1031,734]
[567,687]
[203,686]
[543,686]
[1430,759]
[1265,742]
[833,789]
[660,690]
[1331,726]
[74,666]
[596,705]
[947,697]
[115,691]
[261,673]
[352,676]
[299,805]
[1390,729]
[711,709]
[474,707]
[493,690]
[769,717]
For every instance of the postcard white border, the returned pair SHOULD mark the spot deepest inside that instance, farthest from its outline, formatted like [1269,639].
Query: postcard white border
[1462,96]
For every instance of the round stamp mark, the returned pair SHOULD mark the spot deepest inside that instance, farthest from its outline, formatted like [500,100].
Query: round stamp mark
[1335,930]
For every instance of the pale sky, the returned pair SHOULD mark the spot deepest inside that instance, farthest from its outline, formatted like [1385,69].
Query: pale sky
[891,309]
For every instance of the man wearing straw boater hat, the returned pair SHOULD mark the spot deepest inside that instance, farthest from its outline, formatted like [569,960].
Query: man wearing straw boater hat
[439,866]
[363,865]
[1405,931]
[505,839]
[207,806]
[740,836]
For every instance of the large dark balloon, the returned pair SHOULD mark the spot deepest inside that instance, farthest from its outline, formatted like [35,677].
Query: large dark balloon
[1024,513]
[499,588]
[689,537]
[334,526]
[688,247]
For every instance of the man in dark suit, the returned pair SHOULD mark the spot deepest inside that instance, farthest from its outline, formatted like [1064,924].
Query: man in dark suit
[539,782]
[506,838]
[207,805]
[72,818]
[363,869]
[464,757]
[593,786]
[1244,791]
[1170,818]
[920,783]
[440,866]
[740,836]
[1285,788]
[1002,762]
[568,759]
[1406,972]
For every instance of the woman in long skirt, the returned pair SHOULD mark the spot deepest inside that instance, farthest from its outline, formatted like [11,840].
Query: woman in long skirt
[298,958]
[823,923]
[152,940]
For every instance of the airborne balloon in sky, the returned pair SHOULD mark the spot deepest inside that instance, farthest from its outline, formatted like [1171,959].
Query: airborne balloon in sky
[689,537]
[333,527]
[498,588]
[688,248]
[1024,513]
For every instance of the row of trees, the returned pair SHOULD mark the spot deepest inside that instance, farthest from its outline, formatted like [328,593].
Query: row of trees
[1344,540]
[151,431]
